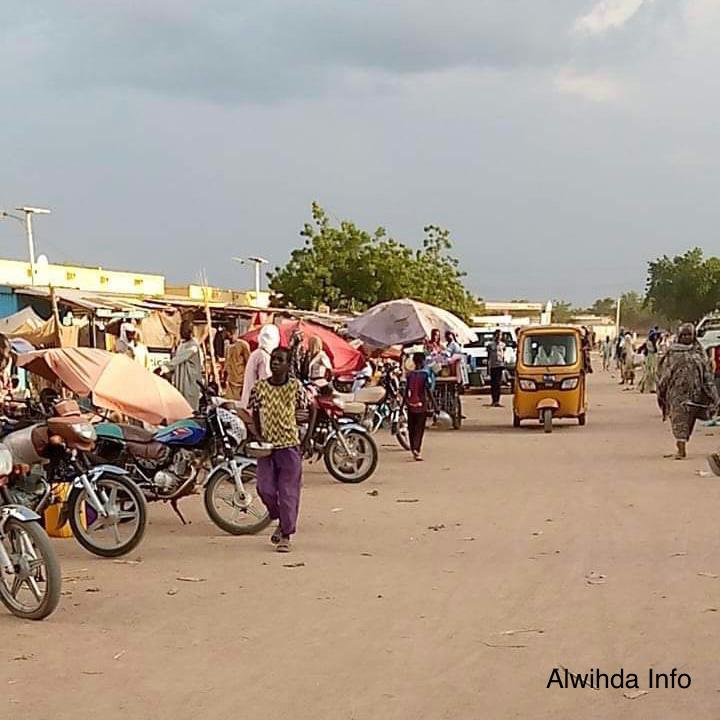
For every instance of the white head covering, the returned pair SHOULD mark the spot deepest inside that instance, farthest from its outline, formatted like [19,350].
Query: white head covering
[269,338]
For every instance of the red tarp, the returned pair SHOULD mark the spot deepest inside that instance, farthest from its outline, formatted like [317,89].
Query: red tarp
[344,357]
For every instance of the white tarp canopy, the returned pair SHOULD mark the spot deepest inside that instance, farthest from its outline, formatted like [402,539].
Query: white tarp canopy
[405,322]
[25,320]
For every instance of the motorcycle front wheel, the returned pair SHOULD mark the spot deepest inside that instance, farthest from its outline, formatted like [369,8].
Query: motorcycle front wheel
[122,529]
[231,511]
[32,590]
[357,465]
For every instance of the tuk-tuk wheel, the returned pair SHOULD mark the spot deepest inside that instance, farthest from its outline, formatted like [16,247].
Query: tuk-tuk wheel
[581,419]
[516,420]
[547,420]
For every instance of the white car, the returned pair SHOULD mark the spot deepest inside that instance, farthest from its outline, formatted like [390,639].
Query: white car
[708,331]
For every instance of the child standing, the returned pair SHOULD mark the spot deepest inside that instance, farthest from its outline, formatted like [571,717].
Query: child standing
[418,399]
[275,403]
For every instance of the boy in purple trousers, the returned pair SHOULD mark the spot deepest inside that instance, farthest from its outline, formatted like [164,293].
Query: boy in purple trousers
[275,403]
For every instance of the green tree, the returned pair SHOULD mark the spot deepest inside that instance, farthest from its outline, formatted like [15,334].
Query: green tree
[684,287]
[603,306]
[635,313]
[562,311]
[351,269]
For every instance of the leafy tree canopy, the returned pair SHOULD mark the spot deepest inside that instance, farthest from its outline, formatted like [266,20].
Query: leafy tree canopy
[562,311]
[684,287]
[351,269]
[635,312]
[603,306]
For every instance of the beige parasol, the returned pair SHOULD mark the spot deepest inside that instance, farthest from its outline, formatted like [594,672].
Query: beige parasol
[114,381]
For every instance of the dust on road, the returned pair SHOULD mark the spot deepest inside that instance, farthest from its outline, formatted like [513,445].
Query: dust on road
[523,552]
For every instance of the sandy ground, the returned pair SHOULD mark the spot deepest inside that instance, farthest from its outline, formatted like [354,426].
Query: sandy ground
[391,619]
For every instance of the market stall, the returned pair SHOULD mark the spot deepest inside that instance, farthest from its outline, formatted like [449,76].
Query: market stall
[447,392]
[408,322]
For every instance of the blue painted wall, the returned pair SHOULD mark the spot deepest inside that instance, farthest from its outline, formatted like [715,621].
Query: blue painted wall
[8,301]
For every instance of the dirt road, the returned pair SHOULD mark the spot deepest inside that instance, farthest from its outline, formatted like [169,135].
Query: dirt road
[587,538]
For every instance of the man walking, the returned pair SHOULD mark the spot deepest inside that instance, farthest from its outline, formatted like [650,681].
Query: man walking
[607,353]
[496,365]
[275,403]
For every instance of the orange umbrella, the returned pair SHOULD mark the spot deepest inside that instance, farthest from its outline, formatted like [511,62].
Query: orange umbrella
[115,382]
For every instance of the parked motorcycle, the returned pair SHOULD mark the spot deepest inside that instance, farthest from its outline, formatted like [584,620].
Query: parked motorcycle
[209,450]
[380,405]
[105,509]
[391,410]
[354,381]
[30,577]
[346,446]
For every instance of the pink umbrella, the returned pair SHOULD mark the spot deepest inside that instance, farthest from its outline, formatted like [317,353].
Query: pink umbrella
[115,382]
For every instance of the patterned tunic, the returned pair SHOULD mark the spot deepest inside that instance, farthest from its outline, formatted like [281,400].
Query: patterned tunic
[685,389]
[277,406]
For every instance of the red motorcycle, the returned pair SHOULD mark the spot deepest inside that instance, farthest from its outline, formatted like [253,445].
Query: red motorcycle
[346,446]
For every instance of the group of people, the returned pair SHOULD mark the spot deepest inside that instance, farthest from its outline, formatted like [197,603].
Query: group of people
[678,370]
[239,366]
[627,356]
[269,381]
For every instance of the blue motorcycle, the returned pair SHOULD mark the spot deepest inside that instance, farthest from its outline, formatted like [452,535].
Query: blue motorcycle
[208,451]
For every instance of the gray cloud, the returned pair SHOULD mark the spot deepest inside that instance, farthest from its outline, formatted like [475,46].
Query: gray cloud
[229,52]
[171,137]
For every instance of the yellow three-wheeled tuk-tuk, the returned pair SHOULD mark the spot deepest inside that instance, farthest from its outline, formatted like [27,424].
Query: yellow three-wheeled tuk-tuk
[550,375]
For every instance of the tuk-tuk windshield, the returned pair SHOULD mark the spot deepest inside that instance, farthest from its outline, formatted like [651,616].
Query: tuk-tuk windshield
[550,350]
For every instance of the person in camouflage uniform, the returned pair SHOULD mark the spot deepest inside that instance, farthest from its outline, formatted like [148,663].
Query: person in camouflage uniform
[686,390]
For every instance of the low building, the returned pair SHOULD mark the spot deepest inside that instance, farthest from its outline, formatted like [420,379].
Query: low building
[16,276]
[17,273]
[603,326]
[229,297]
[514,313]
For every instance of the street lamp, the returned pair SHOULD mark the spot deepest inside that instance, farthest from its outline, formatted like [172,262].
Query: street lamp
[258,261]
[29,212]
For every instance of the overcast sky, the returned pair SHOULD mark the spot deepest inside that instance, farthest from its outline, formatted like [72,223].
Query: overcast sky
[563,142]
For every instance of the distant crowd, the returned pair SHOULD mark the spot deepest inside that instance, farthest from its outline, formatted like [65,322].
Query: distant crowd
[683,374]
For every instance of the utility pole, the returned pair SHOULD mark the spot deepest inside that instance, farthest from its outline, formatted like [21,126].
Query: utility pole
[28,212]
[258,261]
[617,317]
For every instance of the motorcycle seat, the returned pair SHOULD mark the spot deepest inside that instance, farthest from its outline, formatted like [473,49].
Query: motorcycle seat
[371,395]
[137,435]
[27,445]
[354,408]
[146,450]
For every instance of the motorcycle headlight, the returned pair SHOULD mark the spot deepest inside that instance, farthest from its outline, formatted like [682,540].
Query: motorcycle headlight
[6,460]
[527,384]
[569,384]
[85,431]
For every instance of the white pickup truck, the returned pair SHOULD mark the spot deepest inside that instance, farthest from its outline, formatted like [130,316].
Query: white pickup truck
[477,353]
